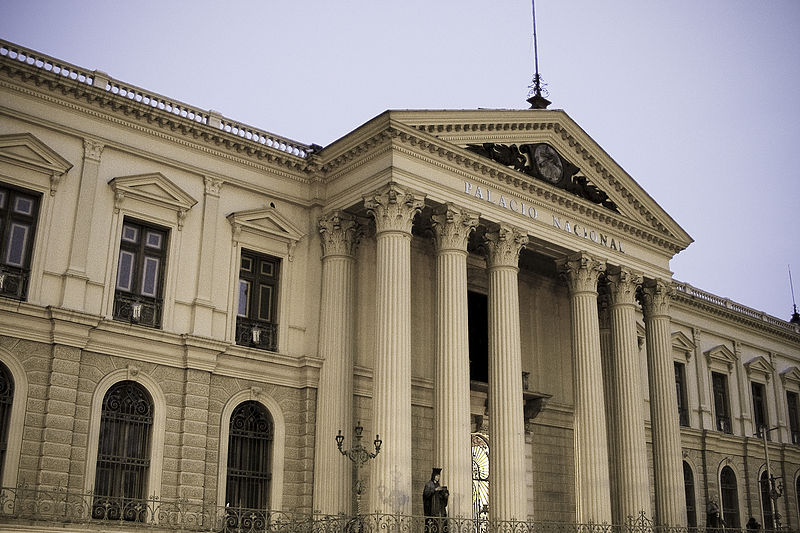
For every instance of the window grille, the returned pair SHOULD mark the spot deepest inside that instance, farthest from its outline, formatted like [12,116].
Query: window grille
[759,408]
[257,320]
[766,501]
[794,421]
[249,457]
[123,455]
[730,497]
[19,210]
[688,484]
[6,399]
[140,274]
[480,477]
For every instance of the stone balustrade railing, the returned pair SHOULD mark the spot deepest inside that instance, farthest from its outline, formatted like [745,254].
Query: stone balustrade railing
[125,90]
[693,292]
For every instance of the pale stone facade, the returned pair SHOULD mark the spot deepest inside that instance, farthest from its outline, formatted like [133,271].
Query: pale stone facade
[418,268]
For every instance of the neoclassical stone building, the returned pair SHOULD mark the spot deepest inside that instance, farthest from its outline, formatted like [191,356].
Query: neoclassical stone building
[192,308]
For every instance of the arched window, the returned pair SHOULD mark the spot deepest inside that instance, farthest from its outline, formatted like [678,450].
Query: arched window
[123,454]
[6,400]
[249,457]
[730,497]
[688,484]
[766,501]
[480,476]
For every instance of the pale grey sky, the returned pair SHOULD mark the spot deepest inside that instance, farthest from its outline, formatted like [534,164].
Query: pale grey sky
[697,100]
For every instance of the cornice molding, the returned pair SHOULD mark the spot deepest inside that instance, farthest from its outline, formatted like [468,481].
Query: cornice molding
[145,118]
[440,153]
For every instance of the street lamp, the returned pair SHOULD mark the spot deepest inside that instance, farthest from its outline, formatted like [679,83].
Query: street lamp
[775,489]
[359,455]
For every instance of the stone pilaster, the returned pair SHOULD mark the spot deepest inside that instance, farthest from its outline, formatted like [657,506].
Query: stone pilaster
[452,227]
[667,459]
[394,209]
[193,434]
[507,499]
[333,471]
[592,489]
[630,459]
[203,308]
[76,276]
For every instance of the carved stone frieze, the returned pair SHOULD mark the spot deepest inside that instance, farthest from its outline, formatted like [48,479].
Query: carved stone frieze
[622,286]
[394,207]
[452,226]
[340,233]
[581,272]
[503,245]
[655,297]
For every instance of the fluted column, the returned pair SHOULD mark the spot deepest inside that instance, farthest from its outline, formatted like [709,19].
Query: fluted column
[591,451]
[667,461]
[332,471]
[630,461]
[451,404]
[394,208]
[507,498]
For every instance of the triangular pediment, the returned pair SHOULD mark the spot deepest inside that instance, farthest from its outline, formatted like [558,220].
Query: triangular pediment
[500,144]
[26,150]
[759,366]
[791,376]
[682,343]
[153,188]
[721,354]
[266,221]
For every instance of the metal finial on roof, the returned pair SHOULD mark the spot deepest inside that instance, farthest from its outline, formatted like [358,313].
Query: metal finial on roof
[536,90]
[795,315]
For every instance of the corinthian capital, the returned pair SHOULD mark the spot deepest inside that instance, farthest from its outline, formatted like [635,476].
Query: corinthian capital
[340,233]
[581,272]
[452,226]
[503,245]
[655,297]
[92,149]
[622,285]
[213,185]
[394,207]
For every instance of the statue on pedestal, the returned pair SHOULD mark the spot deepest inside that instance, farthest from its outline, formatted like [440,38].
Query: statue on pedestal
[434,500]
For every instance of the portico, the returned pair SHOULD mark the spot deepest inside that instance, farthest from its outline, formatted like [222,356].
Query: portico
[450,206]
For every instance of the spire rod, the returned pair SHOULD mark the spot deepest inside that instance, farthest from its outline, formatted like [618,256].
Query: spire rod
[795,315]
[535,89]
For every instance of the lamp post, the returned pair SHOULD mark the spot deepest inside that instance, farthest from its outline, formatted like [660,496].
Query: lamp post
[359,455]
[775,487]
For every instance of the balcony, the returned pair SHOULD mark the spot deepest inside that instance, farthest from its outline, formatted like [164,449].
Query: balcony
[724,424]
[14,282]
[137,309]
[683,416]
[256,334]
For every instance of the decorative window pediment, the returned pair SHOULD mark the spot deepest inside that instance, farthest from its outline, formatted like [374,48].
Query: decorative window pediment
[759,366]
[791,378]
[721,357]
[155,189]
[27,151]
[683,344]
[267,222]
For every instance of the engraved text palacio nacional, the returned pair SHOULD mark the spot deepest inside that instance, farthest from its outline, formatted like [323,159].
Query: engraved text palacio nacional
[192,309]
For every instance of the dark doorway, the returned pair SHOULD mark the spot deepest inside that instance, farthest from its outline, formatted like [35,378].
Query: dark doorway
[478,326]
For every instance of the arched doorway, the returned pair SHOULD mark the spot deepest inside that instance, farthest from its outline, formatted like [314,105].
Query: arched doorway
[480,476]
[730,497]
[688,484]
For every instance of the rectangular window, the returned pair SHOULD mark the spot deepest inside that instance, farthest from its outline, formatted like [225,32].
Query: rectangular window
[680,390]
[256,320]
[760,420]
[794,422]
[719,384]
[19,210]
[140,273]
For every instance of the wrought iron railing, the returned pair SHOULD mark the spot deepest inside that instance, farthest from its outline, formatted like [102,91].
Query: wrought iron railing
[14,282]
[137,309]
[256,333]
[59,507]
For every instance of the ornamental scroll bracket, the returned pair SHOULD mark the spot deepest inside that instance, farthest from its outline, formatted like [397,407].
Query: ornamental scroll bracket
[523,158]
